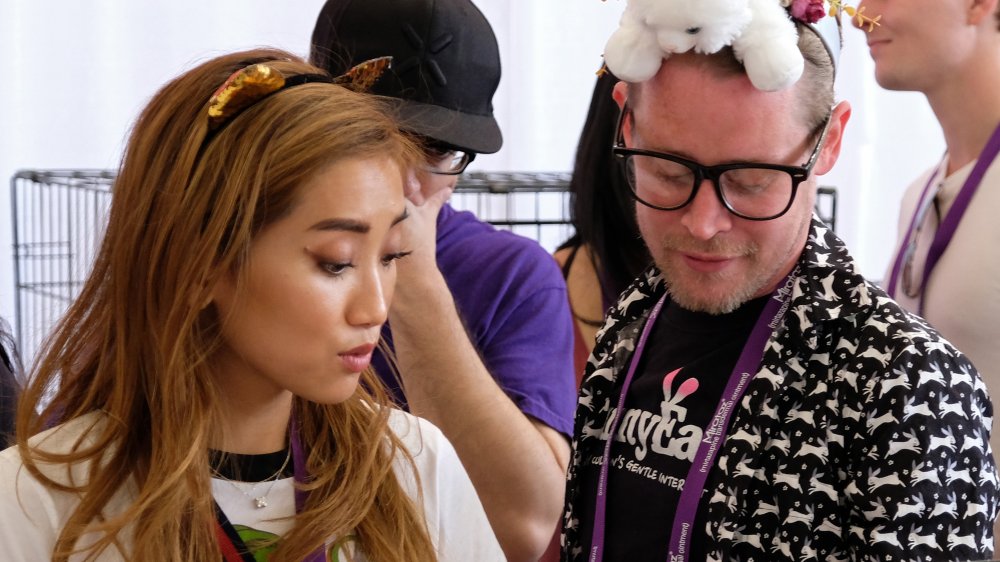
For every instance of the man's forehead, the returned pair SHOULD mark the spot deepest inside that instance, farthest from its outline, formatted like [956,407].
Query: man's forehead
[684,88]
[715,126]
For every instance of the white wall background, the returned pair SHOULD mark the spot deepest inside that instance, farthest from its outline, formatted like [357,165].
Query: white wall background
[76,73]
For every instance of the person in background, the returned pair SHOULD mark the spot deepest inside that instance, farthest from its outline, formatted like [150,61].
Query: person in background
[9,386]
[950,51]
[752,396]
[480,325]
[213,397]
[605,253]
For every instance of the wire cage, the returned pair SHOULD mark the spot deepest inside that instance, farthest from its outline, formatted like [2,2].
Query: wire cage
[535,205]
[59,217]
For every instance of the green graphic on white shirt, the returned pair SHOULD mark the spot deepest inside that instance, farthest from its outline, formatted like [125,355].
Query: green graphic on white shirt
[262,544]
[344,549]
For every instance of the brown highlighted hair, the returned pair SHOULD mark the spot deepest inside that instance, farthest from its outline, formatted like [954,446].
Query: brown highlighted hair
[134,345]
[815,87]
[815,93]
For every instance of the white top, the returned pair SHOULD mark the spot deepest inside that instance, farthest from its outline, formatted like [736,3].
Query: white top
[32,515]
[962,297]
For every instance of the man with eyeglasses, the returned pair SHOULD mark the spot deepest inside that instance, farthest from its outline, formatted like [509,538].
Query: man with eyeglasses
[480,322]
[751,396]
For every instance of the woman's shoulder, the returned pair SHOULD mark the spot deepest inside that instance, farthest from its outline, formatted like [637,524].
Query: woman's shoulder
[435,476]
[31,511]
[454,514]
[434,460]
[77,434]
[62,439]
[421,438]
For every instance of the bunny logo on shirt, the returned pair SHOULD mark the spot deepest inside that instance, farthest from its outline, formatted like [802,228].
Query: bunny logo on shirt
[664,433]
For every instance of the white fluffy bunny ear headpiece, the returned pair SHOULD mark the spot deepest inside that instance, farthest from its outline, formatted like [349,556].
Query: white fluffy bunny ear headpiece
[762,33]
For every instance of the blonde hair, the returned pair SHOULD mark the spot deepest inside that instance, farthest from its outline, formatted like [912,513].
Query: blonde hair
[135,344]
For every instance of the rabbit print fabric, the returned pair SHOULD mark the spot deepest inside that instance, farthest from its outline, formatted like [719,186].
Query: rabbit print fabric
[862,436]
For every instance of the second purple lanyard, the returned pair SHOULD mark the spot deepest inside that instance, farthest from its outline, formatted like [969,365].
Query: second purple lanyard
[946,231]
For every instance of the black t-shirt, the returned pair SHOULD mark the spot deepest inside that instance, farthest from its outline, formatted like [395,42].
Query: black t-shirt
[677,385]
[251,468]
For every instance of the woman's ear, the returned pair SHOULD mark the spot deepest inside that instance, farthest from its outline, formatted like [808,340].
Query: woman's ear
[203,297]
[209,299]
[830,151]
[216,285]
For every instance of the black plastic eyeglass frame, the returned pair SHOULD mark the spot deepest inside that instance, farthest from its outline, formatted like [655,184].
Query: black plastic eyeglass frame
[442,150]
[798,174]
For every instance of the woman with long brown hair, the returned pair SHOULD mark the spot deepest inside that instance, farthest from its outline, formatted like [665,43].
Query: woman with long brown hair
[210,389]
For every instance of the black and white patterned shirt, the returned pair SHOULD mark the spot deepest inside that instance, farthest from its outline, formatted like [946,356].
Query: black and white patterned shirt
[864,435]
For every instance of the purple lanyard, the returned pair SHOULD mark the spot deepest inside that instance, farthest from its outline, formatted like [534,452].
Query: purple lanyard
[905,247]
[704,459]
[299,460]
[597,541]
[949,225]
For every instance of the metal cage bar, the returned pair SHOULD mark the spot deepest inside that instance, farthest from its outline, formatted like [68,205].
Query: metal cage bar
[59,217]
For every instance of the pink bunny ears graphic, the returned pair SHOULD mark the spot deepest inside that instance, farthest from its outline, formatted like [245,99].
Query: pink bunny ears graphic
[687,387]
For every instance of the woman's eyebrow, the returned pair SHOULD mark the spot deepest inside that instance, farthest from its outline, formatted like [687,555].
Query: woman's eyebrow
[348,225]
[401,217]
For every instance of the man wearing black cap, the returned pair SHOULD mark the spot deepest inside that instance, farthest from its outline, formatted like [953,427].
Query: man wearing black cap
[480,321]
[752,396]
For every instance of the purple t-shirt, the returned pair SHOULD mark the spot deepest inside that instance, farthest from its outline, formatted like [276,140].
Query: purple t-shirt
[512,299]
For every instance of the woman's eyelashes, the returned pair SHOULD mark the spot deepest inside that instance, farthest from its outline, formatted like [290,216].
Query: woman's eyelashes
[335,269]
[338,268]
[388,259]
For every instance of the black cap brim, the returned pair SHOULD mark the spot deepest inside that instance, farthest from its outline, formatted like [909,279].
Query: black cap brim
[472,133]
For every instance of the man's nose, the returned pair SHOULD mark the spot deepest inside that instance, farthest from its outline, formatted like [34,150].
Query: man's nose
[706,216]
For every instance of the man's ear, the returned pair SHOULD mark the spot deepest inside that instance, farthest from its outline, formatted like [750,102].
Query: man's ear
[830,151]
[978,10]
[620,94]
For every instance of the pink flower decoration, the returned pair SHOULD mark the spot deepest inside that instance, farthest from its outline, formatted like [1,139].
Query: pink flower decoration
[808,11]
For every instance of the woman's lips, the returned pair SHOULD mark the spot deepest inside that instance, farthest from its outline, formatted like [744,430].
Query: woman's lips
[358,359]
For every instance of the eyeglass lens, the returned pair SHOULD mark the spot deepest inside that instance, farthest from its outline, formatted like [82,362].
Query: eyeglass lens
[748,191]
[447,161]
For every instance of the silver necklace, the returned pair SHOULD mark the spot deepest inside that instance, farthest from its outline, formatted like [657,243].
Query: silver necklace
[260,502]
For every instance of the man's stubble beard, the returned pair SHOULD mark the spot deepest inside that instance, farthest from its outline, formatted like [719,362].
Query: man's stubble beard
[714,293]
